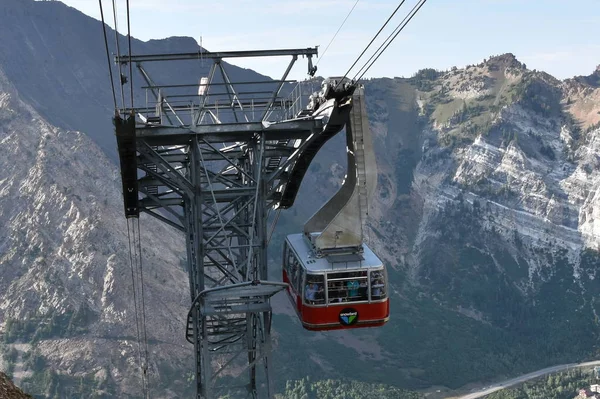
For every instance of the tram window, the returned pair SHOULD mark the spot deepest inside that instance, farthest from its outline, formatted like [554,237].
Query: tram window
[347,287]
[295,271]
[378,285]
[286,261]
[290,259]
[314,292]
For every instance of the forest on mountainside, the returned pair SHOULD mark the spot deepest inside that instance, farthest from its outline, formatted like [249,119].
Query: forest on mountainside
[337,389]
[565,385]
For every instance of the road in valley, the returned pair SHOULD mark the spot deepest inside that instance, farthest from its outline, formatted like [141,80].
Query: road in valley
[518,380]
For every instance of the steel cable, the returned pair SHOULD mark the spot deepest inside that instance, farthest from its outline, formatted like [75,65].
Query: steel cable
[372,40]
[395,34]
[336,33]
[130,66]
[144,328]
[118,52]
[132,255]
[112,81]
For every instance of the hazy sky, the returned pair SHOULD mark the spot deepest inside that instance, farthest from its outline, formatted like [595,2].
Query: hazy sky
[557,36]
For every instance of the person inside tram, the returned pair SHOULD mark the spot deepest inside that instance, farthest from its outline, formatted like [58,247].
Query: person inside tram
[353,287]
[309,292]
[377,289]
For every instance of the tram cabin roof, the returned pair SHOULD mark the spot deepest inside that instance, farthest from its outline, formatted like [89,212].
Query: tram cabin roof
[306,255]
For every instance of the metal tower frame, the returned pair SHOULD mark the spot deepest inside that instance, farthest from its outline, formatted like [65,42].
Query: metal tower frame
[212,166]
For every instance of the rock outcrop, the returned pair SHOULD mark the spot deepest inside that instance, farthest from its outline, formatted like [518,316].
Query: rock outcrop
[8,390]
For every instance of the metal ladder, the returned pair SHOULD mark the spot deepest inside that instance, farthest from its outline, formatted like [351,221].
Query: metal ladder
[356,120]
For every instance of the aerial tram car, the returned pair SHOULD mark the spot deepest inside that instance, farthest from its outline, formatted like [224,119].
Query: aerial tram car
[335,281]
[335,291]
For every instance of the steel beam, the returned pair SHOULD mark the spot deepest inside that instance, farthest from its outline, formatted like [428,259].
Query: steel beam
[293,128]
[259,82]
[309,52]
[174,109]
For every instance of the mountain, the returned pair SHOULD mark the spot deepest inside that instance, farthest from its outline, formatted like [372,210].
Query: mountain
[485,212]
[65,301]
[55,57]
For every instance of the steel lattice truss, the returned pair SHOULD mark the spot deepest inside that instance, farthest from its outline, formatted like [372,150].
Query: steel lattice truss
[212,169]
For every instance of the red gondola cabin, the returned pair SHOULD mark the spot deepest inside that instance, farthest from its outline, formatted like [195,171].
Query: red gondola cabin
[336,291]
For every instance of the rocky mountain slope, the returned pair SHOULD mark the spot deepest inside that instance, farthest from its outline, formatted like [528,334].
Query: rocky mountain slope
[55,57]
[65,302]
[8,390]
[486,213]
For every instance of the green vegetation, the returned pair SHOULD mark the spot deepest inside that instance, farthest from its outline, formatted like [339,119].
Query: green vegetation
[464,270]
[447,112]
[10,356]
[45,382]
[52,325]
[557,386]
[179,379]
[332,389]
[539,96]
[424,79]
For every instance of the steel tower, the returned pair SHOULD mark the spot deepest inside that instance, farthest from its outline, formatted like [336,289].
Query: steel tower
[211,164]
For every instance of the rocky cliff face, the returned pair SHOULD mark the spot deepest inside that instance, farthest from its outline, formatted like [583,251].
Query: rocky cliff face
[486,211]
[65,282]
[517,147]
[496,205]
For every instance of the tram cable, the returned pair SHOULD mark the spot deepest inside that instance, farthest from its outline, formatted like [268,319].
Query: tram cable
[140,324]
[373,39]
[133,267]
[336,33]
[389,40]
[112,81]
[144,329]
[135,249]
[130,66]
[121,76]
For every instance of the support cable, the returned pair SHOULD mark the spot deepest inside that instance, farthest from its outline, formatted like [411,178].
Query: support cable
[336,33]
[130,66]
[114,3]
[112,81]
[135,303]
[144,329]
[389,40]
[372,40]
[382,45]
[135,251]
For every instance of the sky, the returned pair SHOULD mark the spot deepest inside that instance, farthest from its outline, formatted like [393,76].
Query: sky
[559,37]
